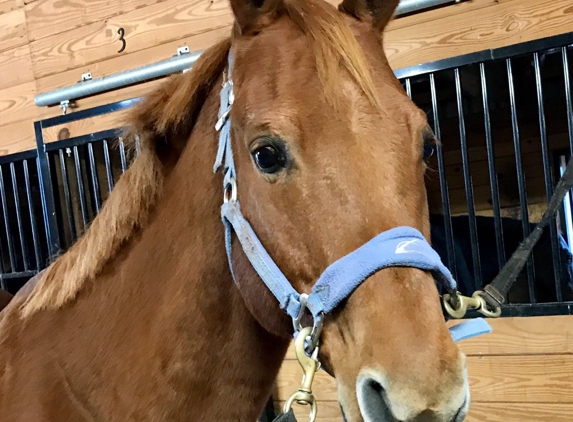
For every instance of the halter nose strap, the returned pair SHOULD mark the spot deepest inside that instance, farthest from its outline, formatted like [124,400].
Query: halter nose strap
[397,247]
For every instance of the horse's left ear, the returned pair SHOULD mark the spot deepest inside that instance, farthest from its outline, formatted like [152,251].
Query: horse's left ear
[378,12]
[253,15]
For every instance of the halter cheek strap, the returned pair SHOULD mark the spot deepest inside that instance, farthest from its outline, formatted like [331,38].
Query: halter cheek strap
[398,247]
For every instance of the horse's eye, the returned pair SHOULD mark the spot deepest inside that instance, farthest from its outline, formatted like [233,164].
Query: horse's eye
[269,158]
[429,148]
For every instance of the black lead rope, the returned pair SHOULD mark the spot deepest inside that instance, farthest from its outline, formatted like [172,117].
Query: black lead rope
[285,417]
[496,291]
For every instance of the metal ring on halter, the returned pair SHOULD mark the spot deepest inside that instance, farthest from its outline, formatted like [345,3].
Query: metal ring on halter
[316,326]
[230,192]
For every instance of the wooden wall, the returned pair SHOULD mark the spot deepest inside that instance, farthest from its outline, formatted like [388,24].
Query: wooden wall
[522,372]
[47,44]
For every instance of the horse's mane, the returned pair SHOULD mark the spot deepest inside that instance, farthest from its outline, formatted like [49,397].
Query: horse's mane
[171,110]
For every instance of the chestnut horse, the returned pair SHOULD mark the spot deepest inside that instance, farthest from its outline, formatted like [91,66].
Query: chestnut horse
[141,319]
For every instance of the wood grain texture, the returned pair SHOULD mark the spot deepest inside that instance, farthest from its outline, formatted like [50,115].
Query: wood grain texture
[9,5]
[74,13]
[13,29]
[87,126]
[129,61]
[527,379]
[15,66]
[16,103]
[17,137]
[503,24]
[144,28]
[329,411]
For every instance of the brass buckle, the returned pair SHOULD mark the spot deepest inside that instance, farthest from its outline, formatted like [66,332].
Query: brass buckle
[457,305]
[310,365]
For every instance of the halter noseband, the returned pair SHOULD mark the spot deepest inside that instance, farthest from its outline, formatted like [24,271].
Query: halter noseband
[397,247]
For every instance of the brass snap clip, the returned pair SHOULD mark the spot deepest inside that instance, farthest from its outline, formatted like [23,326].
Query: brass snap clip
[457,305]
[310,365]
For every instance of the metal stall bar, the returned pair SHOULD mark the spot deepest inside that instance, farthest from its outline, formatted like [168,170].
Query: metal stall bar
[93,174]
[67,193]
[408,84]
[569,100]
[493,182]
[35,235]
[468,184]
[122,155]
[547,172]
[520,178]
[443,182]
[81,189]
[9,239]
[107,162]
[17,205]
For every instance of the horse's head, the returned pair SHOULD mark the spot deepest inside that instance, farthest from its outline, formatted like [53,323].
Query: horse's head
[329,153]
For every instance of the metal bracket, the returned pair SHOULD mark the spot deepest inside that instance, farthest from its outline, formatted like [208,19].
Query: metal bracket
[183,50]
[64,105]
[86,77]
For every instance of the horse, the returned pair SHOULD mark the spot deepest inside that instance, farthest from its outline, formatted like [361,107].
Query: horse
[145,317]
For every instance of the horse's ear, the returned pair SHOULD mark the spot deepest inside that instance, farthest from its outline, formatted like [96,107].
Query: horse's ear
[378,12]
[253,15]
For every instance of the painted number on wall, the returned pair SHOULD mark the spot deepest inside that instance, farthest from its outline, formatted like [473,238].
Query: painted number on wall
[121,33]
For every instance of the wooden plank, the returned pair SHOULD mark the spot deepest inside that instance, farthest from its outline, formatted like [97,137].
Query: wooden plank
[15,66]
[9,5]
[74,13]
[17,103]
[516,379]
[516,336]
[86,126]
[144,28]
[17,137]
[12,29]
[133,60]
[329,411]
[504,24]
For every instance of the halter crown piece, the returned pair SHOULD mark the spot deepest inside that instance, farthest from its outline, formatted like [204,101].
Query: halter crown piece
[400,246]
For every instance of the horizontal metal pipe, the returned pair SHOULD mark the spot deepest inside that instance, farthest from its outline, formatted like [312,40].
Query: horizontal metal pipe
[410,6]
[172,65]
[118,80]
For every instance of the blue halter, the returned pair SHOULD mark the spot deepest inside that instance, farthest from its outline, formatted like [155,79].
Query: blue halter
[400,246]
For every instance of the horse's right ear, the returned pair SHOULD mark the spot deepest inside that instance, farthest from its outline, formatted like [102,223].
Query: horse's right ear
[378,12]
[253,15]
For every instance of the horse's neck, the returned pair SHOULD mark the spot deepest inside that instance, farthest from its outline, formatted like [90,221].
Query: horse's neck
[212,350]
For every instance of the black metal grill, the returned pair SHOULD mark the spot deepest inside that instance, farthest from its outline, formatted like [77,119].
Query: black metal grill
[504,118]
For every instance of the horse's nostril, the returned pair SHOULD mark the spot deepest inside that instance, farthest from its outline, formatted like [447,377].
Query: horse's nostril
[372,401]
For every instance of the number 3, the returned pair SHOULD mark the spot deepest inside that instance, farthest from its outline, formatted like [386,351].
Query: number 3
[121,33]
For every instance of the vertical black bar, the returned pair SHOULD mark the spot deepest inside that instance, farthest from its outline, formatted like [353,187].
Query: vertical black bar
[122,155]
[409,88]
[17,205]
[47,194]
[33,223]
[547,172]
[9,239]
[443,182]
[107,162]
[520,178]
[468,184]
[81,190]
[493,182]
[569,100]
[67,194]
[93,171]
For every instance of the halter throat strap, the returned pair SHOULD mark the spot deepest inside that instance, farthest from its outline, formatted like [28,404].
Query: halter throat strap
[398,247]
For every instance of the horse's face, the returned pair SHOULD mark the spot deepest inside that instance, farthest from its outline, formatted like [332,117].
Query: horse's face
[322,169]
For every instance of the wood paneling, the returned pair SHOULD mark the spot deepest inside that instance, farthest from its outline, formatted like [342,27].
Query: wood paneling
[144,28]
[74,13]
[15,66]
[17,137]
[16,101]
[86,126]
[12,29]
[496,26]
[522,371]
[9,5]
[329,411]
